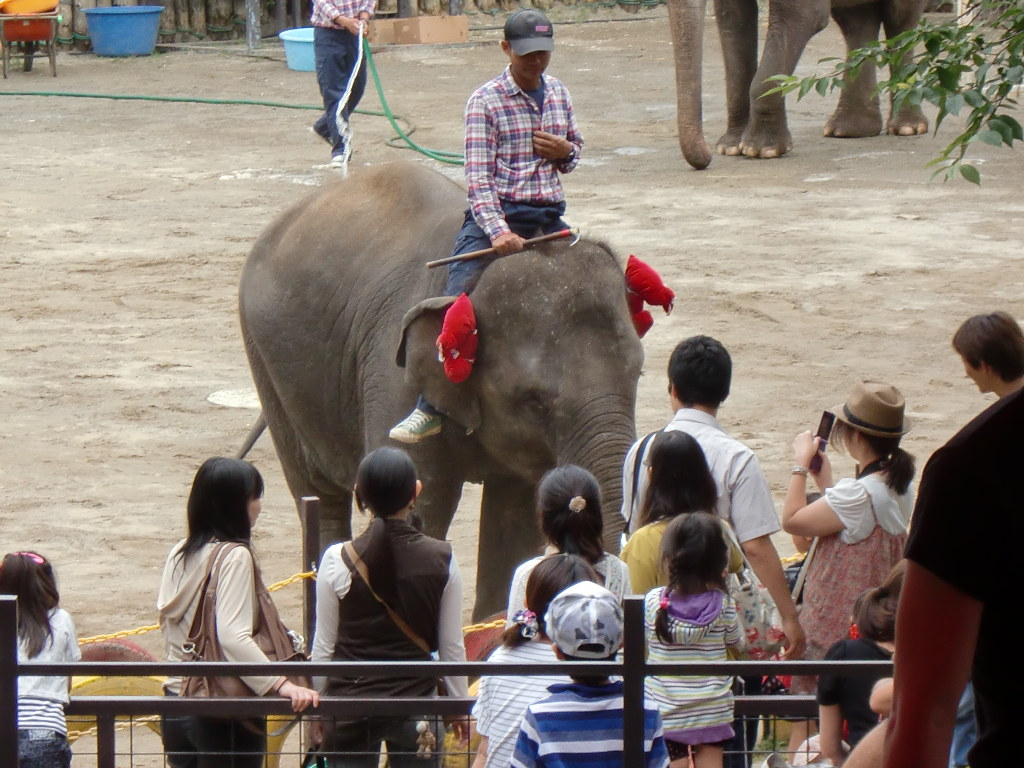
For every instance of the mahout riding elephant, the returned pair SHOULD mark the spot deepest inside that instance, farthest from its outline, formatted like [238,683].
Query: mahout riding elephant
[335,298]
[756,124]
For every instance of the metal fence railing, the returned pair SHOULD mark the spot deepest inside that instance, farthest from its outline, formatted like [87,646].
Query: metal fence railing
[633,668]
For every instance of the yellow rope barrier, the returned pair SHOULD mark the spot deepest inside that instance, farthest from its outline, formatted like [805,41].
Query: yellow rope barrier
[486,625]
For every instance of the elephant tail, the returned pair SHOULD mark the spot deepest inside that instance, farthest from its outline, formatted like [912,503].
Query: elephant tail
[686,22]
[254,434]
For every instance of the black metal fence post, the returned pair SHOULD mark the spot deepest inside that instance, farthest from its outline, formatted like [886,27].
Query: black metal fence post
[634,654]
[309,515]
[106,741]
[8,680]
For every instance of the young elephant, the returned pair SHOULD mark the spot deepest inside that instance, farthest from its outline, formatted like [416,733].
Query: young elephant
[337,284]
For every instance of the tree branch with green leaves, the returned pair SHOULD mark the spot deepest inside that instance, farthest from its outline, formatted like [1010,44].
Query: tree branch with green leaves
[976,68]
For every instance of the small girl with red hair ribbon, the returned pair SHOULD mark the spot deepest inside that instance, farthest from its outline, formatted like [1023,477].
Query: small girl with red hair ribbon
[693,619]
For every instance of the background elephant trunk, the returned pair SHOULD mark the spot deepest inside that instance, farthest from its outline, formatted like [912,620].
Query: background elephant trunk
[686,22]
[602,452]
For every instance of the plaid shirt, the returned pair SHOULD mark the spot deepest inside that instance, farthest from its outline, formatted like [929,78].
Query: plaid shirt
[500,161]
[324,11]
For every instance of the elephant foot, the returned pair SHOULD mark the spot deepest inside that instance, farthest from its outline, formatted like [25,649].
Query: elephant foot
[909,122]
[729,144]
[854,124]
[766,144]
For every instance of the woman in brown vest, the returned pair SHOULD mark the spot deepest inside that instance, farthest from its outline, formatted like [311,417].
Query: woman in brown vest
[392,594]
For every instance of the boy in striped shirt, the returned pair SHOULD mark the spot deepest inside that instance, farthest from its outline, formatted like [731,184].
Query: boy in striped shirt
[521,133]
[580,724]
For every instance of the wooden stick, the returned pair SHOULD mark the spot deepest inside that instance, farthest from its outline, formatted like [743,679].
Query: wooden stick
[488,251]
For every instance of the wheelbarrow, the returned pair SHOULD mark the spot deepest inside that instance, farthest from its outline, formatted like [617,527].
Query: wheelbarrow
[31,24]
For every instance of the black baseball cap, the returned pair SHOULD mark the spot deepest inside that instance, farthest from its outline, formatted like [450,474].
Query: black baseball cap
[528,30]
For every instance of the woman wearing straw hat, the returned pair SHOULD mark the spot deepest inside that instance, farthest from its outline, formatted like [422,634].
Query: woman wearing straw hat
[860,523]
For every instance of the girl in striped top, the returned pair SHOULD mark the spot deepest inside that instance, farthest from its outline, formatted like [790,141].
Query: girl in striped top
[692,619]
[502,701]
[45,634]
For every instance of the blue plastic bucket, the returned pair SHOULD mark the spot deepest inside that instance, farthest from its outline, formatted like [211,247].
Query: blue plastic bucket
[298,49]
[128,30]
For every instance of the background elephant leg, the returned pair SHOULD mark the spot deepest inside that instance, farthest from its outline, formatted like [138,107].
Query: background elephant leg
[442,489]
[509,535]
[898,17]
[857,113]
[737,30]
[790,26]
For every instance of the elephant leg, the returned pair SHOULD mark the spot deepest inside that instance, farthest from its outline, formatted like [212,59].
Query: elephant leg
[442,489]
[509,535]
[898,16]
[303,478]
[737,31]
[790,26]
[857,113]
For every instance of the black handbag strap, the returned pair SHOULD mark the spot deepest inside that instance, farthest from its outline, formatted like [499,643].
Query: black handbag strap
[638,462]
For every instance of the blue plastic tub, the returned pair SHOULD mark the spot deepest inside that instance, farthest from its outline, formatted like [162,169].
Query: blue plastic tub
[128,30]
[298,49]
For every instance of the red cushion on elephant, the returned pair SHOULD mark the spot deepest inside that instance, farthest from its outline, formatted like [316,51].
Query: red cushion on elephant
[457,342]
[642,321]
[643,280]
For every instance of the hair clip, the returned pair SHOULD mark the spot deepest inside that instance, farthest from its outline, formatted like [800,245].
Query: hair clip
[663,602]
[37,559]
[527,621]
[577,504]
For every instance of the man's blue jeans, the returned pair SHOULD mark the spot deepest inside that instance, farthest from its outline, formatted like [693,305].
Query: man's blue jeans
[335,52]
[525,220]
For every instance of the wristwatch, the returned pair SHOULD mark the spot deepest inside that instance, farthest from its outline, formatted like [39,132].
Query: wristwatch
[571,156]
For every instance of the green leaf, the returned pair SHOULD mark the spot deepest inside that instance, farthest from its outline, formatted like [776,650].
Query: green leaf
[1015,128]
[970,173]
[974,99]
[999,126]
[821,87]
[995,138]
[948,78]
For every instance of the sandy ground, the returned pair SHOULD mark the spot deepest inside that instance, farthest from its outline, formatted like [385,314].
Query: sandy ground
[124,226]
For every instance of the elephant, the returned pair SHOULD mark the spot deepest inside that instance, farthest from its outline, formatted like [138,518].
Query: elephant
[756,123]
[335,300]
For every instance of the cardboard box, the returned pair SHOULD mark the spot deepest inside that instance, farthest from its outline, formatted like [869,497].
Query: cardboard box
[382,31]
[432,29]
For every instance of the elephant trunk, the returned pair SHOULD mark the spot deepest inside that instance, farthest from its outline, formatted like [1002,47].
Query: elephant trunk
[602,451]
[686,22]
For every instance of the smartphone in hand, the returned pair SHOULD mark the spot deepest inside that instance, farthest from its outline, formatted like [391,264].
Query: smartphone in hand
[824,430]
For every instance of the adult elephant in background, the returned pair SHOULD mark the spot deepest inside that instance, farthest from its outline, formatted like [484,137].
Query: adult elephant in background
[338,283]
[756,124]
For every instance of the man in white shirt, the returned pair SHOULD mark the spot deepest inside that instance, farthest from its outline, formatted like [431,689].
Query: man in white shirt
[700,374]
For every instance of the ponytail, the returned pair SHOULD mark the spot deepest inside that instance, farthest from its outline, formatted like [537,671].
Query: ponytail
[899,470]
[569,504]
[549,577]
[385,485]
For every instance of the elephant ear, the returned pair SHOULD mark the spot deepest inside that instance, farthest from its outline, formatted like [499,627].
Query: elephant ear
[417,353]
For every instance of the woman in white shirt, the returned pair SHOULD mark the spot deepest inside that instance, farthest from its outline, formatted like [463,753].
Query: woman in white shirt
[391,594]
[860,523]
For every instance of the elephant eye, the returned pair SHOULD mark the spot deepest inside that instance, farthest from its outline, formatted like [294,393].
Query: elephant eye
[533,403]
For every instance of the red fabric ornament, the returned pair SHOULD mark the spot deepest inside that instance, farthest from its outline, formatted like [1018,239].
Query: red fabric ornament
[644,285]
[457,342]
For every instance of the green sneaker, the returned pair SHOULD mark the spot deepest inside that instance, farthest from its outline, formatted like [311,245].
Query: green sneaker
[416,426]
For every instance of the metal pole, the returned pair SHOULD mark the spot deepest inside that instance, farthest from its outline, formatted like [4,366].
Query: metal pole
[8,680]
[106,741]
[309,514]
[633,660]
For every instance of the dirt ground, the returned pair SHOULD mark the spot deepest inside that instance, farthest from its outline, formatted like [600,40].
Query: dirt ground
[125,225]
